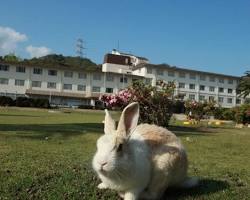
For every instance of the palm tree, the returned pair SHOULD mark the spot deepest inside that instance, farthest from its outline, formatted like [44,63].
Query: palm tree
[244,85]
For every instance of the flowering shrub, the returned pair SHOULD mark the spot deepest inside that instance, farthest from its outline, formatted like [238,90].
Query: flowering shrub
[155,101]
[196,110]
[119,100]
[242,114]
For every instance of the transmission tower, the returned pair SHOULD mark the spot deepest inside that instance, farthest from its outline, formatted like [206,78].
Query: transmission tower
[79,48]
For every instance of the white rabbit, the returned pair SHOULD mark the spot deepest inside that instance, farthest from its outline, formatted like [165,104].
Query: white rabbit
[139,161]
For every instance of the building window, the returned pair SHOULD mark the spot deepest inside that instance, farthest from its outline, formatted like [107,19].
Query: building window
[37,71]
[221,80]
[4,81]
[192,86]
[36,84]
[202,77]
[181,85]
[123,80]
[202,87]
[230,81]
[4,67]
[211,78]
[67,86]
[238,101]
[110,78]
[159,72]
[229,91]
[201,97]
[52,72]
[149,70]
[182,75]
[81,87]
[19,82]
[171,73]
[192,97]
[96,89]
[211,98]
[68,74]
[211,88]
[97,77]
[82,75]
[51,85]
[192,76]
[220,99]
[20,69]
[109,90]
[229,100]
[221,90]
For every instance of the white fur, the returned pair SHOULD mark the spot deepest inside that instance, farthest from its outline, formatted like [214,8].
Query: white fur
[152,158]
[128,173]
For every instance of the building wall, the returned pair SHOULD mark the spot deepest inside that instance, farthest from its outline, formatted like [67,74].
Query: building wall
[111,80]
[174,75]
[95,83]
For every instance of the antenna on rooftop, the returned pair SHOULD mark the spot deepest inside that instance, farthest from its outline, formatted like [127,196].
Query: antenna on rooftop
[79,48]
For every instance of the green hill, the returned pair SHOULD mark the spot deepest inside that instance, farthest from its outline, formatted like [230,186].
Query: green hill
[54,60]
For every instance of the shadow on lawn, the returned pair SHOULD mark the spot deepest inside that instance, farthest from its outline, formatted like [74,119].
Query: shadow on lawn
[40,131]
[206,186]
[18,115]
[187,131]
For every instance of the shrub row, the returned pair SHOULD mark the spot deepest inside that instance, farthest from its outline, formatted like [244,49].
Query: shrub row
[239,114]
[98,106]
[24,102]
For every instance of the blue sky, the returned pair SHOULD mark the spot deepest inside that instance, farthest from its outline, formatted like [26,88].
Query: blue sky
[212,35]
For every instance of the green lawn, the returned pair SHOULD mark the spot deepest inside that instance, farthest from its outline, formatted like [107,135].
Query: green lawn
[46,155]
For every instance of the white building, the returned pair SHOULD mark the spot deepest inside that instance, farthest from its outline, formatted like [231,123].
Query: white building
[62,86]
[195,85]
[75,86]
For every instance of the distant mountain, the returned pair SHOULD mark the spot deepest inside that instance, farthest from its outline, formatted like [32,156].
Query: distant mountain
[55,60]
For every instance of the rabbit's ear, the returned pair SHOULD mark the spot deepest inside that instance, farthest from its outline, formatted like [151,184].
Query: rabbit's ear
[128,120]
[109,123]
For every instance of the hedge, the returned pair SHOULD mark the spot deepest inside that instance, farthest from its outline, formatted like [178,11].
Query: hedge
[24,102]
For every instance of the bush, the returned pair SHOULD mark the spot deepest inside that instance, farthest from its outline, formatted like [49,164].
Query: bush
[228,114]
[156,104]
[30,102]
[99,105]
[41,103]
[197,110]
[24,102]
[218,113]
[179,106]
[6,101]
[242,114]
[85,106]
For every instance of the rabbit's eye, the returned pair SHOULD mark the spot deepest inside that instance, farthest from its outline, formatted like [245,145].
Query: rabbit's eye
[119,148]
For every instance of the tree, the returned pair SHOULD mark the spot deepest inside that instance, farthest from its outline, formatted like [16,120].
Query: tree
[53,60]
[244,85]
[11,58]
